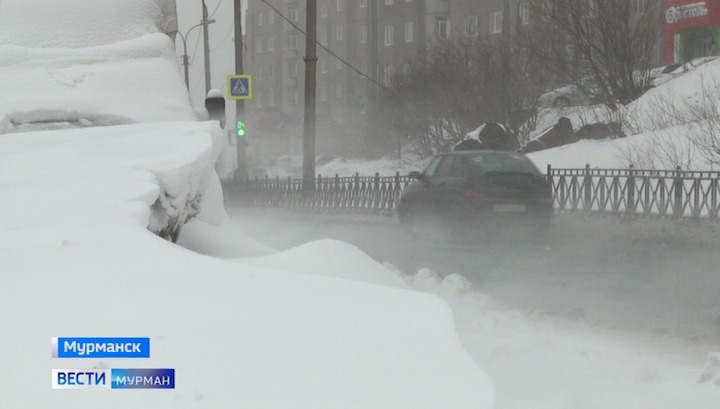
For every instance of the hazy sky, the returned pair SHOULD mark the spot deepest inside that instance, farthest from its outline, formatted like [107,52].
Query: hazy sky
[222,57]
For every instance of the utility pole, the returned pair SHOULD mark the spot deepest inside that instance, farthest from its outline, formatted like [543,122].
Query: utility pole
[373,91]
[374,65]
[506,56]
[310,79]
[206,44]
[241,171]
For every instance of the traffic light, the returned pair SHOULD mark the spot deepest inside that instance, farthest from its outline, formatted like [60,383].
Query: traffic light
[240,128]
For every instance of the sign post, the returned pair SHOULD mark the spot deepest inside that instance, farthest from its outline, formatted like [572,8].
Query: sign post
[239,89]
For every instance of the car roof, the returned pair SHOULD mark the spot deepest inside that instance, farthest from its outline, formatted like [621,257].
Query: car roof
[474,152]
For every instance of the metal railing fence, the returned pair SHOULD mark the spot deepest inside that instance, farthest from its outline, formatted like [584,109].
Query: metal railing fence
[628,192]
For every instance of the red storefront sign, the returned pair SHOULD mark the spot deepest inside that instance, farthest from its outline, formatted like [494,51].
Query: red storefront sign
[687,14]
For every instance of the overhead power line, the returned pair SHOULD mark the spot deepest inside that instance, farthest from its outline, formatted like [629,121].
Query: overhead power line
[216,9]
[347,64]
[227,35]
[194,53]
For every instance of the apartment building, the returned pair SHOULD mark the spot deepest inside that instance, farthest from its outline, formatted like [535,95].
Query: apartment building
[373,39]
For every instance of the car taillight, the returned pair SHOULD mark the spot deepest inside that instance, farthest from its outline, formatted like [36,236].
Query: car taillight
[470,194]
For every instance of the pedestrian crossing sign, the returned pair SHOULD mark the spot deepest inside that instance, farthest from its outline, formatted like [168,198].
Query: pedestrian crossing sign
[239,87]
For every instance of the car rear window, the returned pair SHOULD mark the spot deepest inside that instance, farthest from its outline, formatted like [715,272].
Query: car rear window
[501,162]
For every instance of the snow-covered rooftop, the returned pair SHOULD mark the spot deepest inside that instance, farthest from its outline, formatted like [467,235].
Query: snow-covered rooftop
[136,80]
[88,63]
[81,23]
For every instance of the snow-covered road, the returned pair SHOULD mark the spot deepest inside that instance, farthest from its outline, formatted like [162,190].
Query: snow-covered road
[648,276]
[605,313]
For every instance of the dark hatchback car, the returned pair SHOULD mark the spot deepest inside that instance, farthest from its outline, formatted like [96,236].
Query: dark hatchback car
[478,191]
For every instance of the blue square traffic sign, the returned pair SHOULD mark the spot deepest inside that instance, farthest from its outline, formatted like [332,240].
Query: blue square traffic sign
[239,86]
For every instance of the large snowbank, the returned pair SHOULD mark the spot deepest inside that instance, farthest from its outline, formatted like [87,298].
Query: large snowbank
[77,260]
[661,149]
[81,23]
[671,125]
[235,335]
[133,81]
[673,102]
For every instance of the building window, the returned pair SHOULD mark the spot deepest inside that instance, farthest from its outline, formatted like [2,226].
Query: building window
[271,97]
[364,68]
[363,3]
[259,19]
[496,20]
[525,14]
[639,6]
[271,71]
[292,14]
[323,66]
[271,18]
[323,93]
[388,2]
[292,69]
[293,95]
[339,91]
[339,33]
[409,32]
[338,64]
[442,27]
[258,46]
[292,43]
[323,37]
[271,44]
[389,35]
[340,5]
[363,33]
[388,75]
[323,10]
[471,26]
